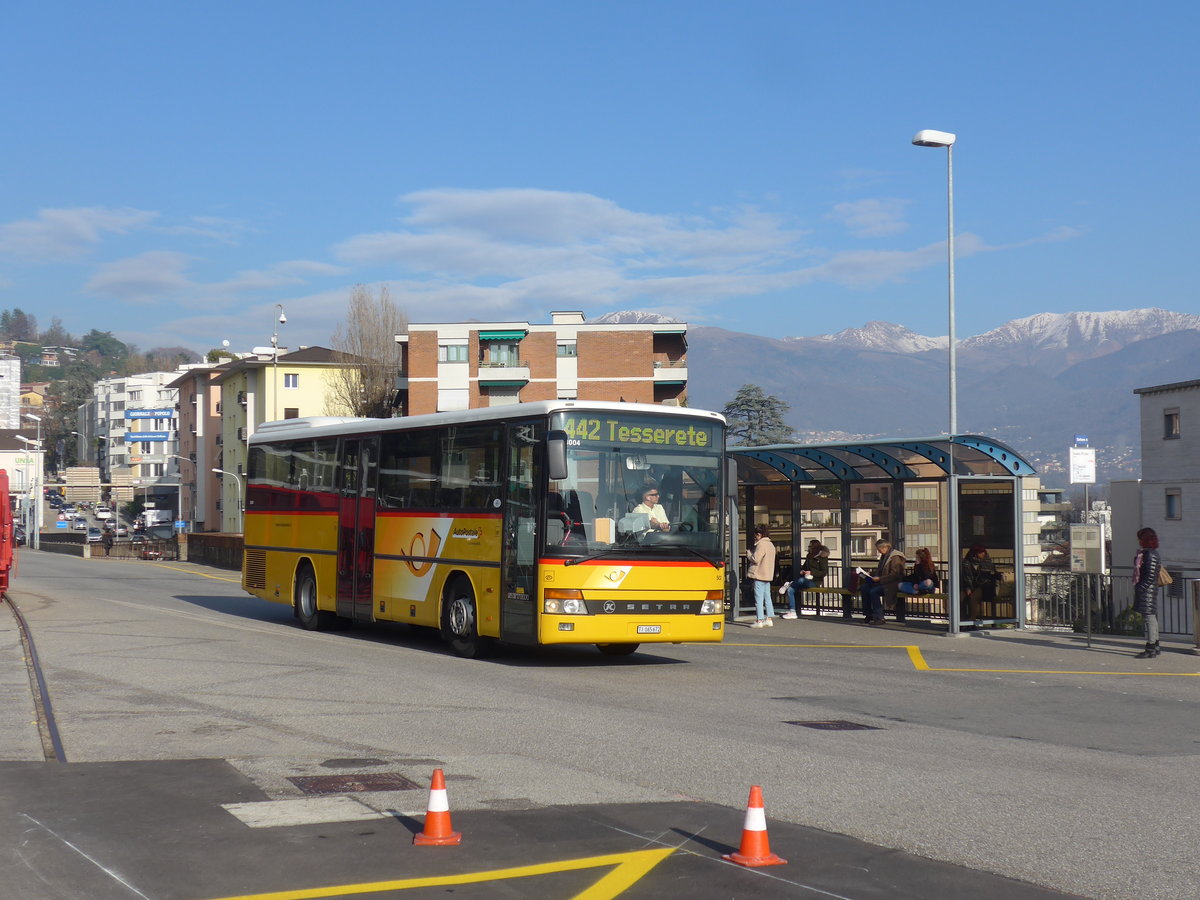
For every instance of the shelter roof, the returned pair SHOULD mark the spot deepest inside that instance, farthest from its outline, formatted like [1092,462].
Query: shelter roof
[913,459]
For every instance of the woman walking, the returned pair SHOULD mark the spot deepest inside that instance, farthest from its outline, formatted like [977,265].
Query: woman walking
[1146,566]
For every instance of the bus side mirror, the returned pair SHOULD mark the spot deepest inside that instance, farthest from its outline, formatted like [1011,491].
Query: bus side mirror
[556,455]
[731,478]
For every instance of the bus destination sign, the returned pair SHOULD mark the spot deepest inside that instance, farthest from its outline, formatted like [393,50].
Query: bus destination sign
[640,431]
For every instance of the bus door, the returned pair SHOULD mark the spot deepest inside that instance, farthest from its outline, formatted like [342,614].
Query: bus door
[518,612]
[356,528]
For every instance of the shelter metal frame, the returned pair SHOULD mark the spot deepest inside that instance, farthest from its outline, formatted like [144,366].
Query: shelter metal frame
[895,461]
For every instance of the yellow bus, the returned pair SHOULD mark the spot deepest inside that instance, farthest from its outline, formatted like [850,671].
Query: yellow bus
[518,523]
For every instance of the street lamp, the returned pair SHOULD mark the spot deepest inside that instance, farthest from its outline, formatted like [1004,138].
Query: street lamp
[35,488]
[241,511]
[931,138]
[179,495]
[282,320]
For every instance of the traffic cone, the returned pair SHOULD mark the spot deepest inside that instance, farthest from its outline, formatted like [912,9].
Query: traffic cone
[756,849]
[437,831]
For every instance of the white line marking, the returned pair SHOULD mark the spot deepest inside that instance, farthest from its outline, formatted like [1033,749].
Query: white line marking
[92,860]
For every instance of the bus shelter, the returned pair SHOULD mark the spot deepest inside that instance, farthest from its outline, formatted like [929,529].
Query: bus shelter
[849,495]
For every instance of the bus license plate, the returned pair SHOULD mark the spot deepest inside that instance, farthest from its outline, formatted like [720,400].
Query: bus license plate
[649,629]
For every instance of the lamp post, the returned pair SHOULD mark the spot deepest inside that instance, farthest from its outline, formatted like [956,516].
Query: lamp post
[35,540]
[931,138]
[282,320]
[241,510]
[179,495]
[35,490]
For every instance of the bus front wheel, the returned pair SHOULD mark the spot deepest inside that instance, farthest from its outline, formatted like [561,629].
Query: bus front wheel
[617,649]
[460,623]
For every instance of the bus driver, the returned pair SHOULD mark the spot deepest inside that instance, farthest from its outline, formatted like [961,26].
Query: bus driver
[652,508]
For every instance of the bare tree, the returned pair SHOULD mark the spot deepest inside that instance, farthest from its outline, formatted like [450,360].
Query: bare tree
[365,347]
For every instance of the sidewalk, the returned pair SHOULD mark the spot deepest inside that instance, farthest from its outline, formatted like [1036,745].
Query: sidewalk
[19,738]
[1108,651]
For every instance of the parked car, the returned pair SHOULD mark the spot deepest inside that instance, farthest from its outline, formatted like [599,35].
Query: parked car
[94,535]
[19,535]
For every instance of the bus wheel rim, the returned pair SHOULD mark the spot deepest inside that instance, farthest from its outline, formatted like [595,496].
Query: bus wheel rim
[460,616]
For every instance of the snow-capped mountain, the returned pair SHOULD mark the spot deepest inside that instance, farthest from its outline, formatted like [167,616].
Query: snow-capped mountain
[1033,383]
[882,336]
[633,317]
[1100,332]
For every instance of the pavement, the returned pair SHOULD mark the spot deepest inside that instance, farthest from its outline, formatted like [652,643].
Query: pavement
[201,829]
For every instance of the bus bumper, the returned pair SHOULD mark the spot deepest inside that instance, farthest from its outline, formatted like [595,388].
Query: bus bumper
[631,630]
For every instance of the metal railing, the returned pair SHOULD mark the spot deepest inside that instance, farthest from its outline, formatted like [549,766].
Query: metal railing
[1070,601]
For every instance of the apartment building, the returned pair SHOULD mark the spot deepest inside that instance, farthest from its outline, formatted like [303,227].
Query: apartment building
[262,386]
[130,430]
[467,365]
[199,433]
[1170,487]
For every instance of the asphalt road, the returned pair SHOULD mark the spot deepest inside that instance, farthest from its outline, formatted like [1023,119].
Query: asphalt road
[1019,754]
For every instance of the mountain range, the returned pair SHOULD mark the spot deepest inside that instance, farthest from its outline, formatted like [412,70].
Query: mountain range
[1033,383]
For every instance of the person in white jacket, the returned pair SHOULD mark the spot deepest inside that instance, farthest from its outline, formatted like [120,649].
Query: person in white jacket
[760,574]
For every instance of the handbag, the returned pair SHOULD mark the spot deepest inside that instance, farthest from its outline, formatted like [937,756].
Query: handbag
[1164,577]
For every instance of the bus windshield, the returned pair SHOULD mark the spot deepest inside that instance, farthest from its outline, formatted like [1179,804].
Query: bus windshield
[637,485]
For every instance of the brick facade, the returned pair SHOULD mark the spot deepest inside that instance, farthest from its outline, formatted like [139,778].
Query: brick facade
[634,363]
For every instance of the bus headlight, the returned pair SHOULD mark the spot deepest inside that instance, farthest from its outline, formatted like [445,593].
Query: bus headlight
[557,601]
[714,602]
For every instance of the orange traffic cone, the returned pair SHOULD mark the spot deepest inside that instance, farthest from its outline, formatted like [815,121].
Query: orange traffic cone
[437,831]
[756,849]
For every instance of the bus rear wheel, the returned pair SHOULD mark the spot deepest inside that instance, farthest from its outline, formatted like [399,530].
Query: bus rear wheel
[617,649]
[310,617]
[460,622]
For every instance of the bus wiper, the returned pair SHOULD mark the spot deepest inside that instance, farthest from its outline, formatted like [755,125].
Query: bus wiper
[591,556]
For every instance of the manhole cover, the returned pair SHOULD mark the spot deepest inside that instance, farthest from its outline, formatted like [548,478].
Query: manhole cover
[835,725]
[349,784]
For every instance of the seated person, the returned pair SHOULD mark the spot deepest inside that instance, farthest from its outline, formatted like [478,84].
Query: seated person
[652,508]
[812,570]
[924,579]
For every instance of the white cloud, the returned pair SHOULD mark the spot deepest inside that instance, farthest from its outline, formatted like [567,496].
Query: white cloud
[872,217]
[506,247]
[212,228]
[58,234]
[292,272]
[143,278]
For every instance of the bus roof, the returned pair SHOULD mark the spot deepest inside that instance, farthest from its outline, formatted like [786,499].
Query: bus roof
[318,426]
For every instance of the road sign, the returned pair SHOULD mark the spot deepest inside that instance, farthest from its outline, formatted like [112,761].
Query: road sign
[1083,465]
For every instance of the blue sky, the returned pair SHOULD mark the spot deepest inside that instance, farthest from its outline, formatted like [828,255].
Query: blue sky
[172,171]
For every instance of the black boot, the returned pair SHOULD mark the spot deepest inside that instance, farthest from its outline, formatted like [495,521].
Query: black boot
[1148,653]
[1157,652]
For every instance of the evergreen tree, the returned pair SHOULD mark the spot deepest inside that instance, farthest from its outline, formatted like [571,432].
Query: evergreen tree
[756,419]
[22,326]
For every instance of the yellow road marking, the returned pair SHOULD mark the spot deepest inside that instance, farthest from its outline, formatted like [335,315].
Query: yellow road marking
[237,580]
[628,869]
[918,661]
[920,665]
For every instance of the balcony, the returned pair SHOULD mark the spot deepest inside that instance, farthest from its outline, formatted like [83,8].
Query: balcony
[667,371]
[504,372]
